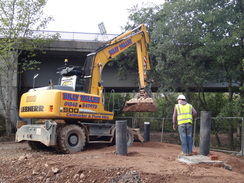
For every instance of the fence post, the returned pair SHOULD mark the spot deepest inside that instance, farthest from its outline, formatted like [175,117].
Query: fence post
[162,130]
[242,138]
[146,131]
[205,128]
[194,132]
[133,122]
[121,135]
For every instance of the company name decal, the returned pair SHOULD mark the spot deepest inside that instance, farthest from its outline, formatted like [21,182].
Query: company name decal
[83,113]
[81,98]
[120,47]
[93,116]
[32,108]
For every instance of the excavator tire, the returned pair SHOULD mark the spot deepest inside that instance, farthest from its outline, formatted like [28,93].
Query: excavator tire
[140,107]
[129,137]
[71,139]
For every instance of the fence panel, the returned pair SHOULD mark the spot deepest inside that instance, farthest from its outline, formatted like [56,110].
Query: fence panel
[227,133]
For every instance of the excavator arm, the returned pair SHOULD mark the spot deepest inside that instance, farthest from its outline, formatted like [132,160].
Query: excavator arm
[96,61]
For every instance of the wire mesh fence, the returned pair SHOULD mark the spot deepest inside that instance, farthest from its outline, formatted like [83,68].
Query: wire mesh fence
[227,133]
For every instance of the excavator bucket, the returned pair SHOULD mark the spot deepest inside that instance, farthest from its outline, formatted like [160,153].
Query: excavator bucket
[140,105]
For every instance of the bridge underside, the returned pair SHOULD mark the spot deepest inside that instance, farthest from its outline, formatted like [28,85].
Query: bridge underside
[76,53]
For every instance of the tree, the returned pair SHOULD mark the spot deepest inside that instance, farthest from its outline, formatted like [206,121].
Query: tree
[198,42]
[143,14]
[222,26]
[19,22]
[194,43]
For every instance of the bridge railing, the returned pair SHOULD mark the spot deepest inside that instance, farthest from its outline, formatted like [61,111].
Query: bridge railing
[77,36]
[80,36]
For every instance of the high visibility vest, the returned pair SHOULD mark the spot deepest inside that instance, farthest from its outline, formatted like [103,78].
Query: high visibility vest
[184,113]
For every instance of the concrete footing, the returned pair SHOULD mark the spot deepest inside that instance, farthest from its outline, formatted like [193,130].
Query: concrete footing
[197,159]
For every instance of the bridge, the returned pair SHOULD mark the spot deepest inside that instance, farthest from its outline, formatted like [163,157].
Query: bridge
[74,46]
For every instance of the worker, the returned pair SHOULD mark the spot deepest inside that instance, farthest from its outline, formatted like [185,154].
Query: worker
[184,115]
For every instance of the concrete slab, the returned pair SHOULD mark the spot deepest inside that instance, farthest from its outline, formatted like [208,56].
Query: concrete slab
[196,159]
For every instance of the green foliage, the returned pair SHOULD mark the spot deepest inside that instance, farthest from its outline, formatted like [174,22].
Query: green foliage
[216,102]
[194,43]
[231,109]
[20,21]
[127,61]
[115,101]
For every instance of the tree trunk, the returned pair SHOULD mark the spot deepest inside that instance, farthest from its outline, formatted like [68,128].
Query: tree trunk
[8,126]
[7,90]
[216,133]
[230,99]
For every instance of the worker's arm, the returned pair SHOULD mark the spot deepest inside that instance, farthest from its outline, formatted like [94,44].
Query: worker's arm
[174,119]
[194,113]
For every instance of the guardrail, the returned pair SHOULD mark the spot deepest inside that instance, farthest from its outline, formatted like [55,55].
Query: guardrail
[80,36]
[77,36]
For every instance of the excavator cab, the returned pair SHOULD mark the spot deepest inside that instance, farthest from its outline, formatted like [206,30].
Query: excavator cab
[143,101]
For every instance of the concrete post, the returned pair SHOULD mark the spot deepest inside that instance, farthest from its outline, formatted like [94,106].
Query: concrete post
[205,129]
[146,131]
[121,134]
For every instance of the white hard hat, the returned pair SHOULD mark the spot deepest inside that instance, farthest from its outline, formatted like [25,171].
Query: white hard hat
[181,97]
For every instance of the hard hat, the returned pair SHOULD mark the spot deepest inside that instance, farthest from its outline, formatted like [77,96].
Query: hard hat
[181,97]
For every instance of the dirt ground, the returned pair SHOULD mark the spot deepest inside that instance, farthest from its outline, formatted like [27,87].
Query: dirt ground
[151,162]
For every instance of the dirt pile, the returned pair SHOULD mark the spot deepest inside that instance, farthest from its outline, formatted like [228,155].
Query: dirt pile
[151,162]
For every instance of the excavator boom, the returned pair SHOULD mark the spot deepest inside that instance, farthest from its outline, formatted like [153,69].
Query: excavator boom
[138,36]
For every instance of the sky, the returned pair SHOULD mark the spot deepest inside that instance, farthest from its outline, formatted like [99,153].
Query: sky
[85,15]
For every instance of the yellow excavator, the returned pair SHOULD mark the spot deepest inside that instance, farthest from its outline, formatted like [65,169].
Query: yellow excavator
[66,114]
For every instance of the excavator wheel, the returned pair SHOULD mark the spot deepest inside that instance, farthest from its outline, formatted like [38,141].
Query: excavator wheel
[129,137]
[71,139]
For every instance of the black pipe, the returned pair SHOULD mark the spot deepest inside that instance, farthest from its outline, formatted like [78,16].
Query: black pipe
[121,134]
[205,129]
[146,131]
